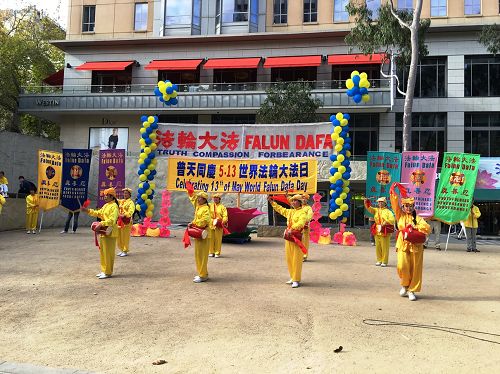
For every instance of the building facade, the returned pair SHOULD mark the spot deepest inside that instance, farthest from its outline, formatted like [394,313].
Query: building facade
[225,53]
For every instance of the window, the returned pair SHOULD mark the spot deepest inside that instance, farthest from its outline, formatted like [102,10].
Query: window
[280,11]
[178,12]
[373,6]
[88,18]
[111,81]
[472,7]
[427,134]
[482,76]
[180,77]
[306,73]
[363,129]
[141,17]
[235,79]
[233,119]
[405,5]
[340,13]
[438,8]
[431,78]
[482,134]
[310,10]
[234,11]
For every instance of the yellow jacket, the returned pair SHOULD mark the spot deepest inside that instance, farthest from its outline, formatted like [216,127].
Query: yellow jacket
[217,211]
[471,220]
[404,220]
[32,203]
[382,216]
[127,207]
[2,202]
[202,216]
[108,215]
[4,180]
[295,218]
[309,212]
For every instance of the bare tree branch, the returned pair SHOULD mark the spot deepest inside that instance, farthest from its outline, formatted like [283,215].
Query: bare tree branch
[395,14]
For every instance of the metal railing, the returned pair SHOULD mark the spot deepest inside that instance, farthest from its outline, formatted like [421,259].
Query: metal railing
[190,88]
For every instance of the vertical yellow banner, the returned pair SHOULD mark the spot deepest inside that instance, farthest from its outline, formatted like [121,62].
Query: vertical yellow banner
[49,178]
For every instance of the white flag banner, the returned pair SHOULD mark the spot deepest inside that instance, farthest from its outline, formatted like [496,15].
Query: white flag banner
[245,141]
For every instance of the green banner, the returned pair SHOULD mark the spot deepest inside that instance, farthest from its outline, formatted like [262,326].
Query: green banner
[456,187]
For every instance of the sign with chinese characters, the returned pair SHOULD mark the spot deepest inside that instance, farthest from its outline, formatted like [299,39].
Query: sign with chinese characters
[111,172]
[418,173]
[383,169]
[269,141]
[456,186]
[49,178]
[488,177]
[75,177]
[243,176]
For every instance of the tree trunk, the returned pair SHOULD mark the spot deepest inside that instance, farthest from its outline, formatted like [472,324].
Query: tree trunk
[412,77]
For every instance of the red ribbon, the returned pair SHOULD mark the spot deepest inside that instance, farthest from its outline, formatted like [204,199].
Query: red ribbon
[186,240]
[402,190]
[300,244]
[189,188]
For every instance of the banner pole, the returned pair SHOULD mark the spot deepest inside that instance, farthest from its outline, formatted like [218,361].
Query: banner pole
[238,200]
[41,220]
[447,238]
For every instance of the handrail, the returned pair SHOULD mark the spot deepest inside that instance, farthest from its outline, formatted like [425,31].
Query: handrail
[190,88]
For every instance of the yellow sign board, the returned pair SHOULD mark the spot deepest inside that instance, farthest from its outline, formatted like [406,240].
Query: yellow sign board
[49,178]
[251,176]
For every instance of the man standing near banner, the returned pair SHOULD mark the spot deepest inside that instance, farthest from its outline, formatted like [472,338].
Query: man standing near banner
[108,215]
[296,220]
[309,215]
[127,209]
[436,227]
[32,208]
[219,221]
[382,229]
[471,227]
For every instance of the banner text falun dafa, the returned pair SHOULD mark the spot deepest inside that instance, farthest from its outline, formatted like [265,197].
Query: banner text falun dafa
[254,176]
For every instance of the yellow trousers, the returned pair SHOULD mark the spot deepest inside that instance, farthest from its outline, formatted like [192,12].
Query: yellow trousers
[107,252]
[305,241]
[123,239]
[410,269]
[216,241]
[201,248]
[294,258]
[382,244]
[31,220]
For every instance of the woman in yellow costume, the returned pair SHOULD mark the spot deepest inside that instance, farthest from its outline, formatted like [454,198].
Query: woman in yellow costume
[202,219]
[126,211]
[218,212]
[383,217]
[296,220]
[31,212]
[410,255]
[309,215]
[108,215]
[2,203]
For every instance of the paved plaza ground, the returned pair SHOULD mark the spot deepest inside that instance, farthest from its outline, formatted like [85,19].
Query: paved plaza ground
[54,312]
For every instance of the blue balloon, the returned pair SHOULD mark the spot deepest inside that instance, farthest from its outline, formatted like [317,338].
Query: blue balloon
[355,91]
[168,102]
[151,155]
[338,189]
[346,128]
[332,118]
[153,192]
[363,91]
[148,141]
[145,186]
[140,172]
[347,116]
[144,118]
[336,122]
[142,167]
[155,118]
[347,146]
[333,170]
[343,134]
[357,98]
[348,169]
[145,135]
[174,101]
[338,183]
[149,130]
[162,99]
[349,92]
[147,161]
[332,186]
[154,126]
[170,90]
[144,207]
[345,214]
[346,175]
[356,80]
[167,81]
[151,177]
[157,92]
[140,191]
[347,140]
[333,158]
[175,87]
[153,172]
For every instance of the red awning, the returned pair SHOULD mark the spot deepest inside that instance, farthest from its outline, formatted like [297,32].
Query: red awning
[292,61]
[375,59]
[56,79]
[173,64]
[105,65]
[232,63]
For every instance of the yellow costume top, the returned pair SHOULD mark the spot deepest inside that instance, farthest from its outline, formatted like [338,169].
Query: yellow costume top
[32,203]
[2,202]
[296,219]
[382,216]
[108,215]
[127,207]
[471,220]
[405,219]
[4,180]
[217,211]
[202,216]
[309,213]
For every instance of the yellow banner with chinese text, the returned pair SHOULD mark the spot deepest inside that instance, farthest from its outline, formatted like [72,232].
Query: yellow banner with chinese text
[49,178]
[251,176]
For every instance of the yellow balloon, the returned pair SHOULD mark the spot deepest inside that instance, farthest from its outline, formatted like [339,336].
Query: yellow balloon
[338,148]
[146,124]
[149,214]
[343,196]
[332,179]
[344,207]
[173,95]
[147,151]
[340,158]
[166,97]
[337,129]
[161,84]
[331,192]
[339,116]
[332,216]
[151,119]
[144,196]
[346,190]
[336,164]
[151,167]
[365,98]
[148,202]
[163,90]
[363,76]
[142,130]
[339,201]
[344,220]
[149,191]
[137,207]
[142,142]
[348,153]
[141,185]
[349,84]
[152,136]
[342,170]
[142,177]
[140,161]
[143,156]
[340,141]
[334,136]
[168,84]
[346,183]
[355,72]
[147,172]
[364,83]
[153,146]
[343,122]
[338,212]
[152,185]
[337,175]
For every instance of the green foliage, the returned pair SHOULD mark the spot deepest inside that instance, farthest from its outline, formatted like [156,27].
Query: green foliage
[490,38]
[385,34]
[289,103]
[26,58]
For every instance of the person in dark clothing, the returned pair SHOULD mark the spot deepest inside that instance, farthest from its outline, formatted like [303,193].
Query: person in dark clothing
[75,216]
[113,139]
[25,186]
